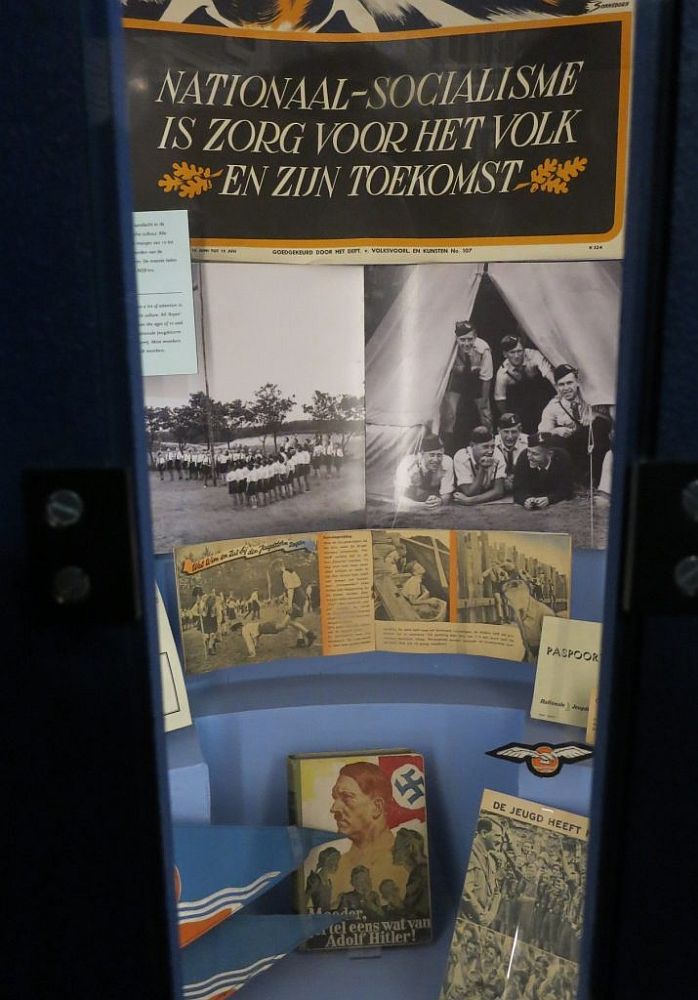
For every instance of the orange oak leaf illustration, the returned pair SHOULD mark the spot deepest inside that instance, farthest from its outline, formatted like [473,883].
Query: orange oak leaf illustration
[553,177]
[188,180]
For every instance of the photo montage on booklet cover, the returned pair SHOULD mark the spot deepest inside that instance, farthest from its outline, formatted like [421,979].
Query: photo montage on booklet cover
[519,924]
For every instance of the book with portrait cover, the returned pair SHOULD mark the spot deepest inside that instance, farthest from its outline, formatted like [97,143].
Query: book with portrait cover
[519,923]
[378,872]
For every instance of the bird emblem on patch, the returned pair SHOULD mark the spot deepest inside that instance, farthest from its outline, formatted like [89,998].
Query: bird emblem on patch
[545,760]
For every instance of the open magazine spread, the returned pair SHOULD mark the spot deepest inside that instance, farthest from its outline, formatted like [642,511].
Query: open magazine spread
[454,396]
[295,596]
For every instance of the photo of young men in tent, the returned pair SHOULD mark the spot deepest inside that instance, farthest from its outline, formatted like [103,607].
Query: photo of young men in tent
[411,575]
[490,396]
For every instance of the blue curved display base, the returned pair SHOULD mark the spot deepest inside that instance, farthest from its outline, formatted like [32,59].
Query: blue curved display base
[450,708]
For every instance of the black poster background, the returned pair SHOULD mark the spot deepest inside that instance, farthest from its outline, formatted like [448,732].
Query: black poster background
[589,208]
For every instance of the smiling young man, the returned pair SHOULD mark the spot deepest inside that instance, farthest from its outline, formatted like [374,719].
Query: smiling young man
[542,475]
[466,402]
[524,382]
[509,444]
[424,480]
[479,470]
[574,425]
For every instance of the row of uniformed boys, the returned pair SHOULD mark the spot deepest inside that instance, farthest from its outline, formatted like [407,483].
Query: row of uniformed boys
[260,480]
[326,458]
[256,482]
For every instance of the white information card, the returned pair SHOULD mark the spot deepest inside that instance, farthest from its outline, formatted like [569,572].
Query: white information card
[175,705]
[567,671]
[165,301]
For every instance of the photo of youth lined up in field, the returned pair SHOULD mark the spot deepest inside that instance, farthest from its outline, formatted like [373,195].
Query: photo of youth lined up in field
[490,396]
[268,437]
[242,602]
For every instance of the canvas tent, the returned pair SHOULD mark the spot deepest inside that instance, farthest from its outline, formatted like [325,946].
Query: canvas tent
[568,310]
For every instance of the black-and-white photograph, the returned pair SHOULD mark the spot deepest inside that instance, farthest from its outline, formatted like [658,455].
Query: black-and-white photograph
[268,437]
[486,965]
[411,575]
[259,601]
[514,579]
[490,396]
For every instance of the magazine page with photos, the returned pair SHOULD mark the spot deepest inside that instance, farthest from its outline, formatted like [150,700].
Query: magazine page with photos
[278,598]
[486,593]
[322,594]
[268,437]
[490,396]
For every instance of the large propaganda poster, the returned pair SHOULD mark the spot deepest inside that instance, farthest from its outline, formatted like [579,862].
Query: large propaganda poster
[438,143]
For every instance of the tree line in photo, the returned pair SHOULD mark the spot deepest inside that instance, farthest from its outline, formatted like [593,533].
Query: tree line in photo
[210,425]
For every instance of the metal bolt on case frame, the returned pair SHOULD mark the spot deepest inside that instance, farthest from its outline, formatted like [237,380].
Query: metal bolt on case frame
[71,585]
[64,508]
[686,575]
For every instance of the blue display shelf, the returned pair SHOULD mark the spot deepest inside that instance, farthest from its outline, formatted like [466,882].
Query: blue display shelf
[247,719]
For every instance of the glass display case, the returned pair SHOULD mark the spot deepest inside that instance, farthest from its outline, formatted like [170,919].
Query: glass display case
[393,446]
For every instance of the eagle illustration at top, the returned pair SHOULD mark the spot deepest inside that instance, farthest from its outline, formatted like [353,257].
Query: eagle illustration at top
[353,15]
